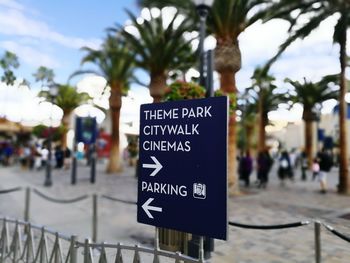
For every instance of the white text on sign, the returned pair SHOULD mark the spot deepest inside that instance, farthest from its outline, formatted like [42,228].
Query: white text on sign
[175,113]
[178,145]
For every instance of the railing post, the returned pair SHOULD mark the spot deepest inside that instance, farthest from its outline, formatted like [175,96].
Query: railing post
[86,251]
[94,218]
[156,238]
[74,157]
[27,205]
[93,163]
[156,246]
[317,242]
[201,249]
[73,249]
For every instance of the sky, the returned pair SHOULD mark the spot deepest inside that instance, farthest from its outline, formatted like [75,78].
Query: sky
[51,33]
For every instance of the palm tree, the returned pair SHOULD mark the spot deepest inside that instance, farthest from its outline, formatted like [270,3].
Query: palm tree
[266,99]
[8,62]
[316,12]
[115,63]
[248,121]
[160,48]
[67,99]
[263,83]
[226,21]
[312,95]
[44,75]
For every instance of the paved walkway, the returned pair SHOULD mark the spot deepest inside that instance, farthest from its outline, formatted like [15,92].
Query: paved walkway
[117,222]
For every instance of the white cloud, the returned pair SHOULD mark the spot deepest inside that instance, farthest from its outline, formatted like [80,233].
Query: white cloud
[16,22]
[94,86]
[312,57]
[11,4]
[261,41]
[30,54]
[20,104]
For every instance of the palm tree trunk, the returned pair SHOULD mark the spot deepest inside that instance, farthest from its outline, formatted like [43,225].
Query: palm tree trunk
[157,86]
[308,141]
[115,103]
[227,63]
[344,186]
[228,85]
[249,133]
[66,125]
[262,134]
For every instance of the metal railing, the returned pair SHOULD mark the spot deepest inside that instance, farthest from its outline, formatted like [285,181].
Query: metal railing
[25,242]
[22,241]
[17,251]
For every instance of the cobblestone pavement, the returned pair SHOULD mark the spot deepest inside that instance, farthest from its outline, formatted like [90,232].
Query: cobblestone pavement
[296,201]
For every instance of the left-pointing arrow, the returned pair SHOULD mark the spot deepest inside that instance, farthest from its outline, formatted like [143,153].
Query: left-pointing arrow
[156,166]
[147,208]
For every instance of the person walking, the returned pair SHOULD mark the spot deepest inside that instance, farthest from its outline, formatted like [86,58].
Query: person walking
[315,169]
[245,168]
[59,156]
[264,165]
[67,158]
[326,163]
[284,169]
[304,165]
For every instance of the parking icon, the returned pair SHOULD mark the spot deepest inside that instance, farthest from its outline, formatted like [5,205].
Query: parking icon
[199,191]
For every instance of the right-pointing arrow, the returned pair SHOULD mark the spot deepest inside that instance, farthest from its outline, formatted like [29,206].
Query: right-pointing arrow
[147,207]
[156,166]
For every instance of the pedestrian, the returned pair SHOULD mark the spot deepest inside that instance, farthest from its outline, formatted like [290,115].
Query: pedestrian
[245,168]
[59,156]
[326,163]
[315,169]
[44,156]
[67,158]
[304,165]
[293,161]
[26,157]
[37,157]
[8,151]
[284,169]
[264,165]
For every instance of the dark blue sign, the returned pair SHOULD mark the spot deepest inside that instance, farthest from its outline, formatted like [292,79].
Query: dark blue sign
[320,135]
[183,166]
[86,130]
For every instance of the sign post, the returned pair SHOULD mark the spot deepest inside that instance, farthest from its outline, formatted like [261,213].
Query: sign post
[183,166]
[85,132]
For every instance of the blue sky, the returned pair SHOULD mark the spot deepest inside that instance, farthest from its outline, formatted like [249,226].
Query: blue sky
[49,33]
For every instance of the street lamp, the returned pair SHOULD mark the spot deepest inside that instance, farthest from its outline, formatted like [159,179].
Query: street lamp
[203,8]
[53,91]
[264,85]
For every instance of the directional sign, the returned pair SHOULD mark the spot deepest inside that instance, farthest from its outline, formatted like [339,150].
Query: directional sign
[183,166]
[156,166]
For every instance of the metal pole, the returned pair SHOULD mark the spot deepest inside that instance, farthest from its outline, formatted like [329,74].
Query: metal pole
[27,205]
[86,251]
[202,19]
[93,163]
[156,238]
[210,69]
[94,217]
[73,249]
[74,156]
[156,246]
[317,242]
[48,181]
[201,249]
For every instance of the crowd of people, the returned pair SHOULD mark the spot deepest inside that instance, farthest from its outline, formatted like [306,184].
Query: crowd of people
[287,164]
[33,155]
